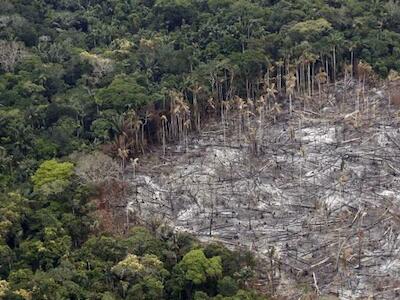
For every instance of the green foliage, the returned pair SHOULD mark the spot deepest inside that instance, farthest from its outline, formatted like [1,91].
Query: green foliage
[309,30]
[198,268]
[140,242]
[124,92]
[52,176]
[199,295]
[227,286]
[133,267]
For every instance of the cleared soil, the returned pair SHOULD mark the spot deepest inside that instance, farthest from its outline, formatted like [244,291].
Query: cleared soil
[315,194]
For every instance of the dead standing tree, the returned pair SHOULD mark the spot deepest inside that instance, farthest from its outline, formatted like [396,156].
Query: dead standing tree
[290,86]
[11,52]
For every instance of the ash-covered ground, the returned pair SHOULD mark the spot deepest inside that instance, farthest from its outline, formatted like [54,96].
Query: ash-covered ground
[315,194]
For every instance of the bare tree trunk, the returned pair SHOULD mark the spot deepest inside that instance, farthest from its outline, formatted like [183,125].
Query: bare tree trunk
[352,63]
[279,75]
[334,65]
[312,78]
[327,69]
[211,219]
[163,136]
[309,79]
[247,89]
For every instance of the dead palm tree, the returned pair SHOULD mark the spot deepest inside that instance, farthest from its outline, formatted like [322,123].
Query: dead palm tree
[180,112]
[134,164]
[358,93]
[261,103]
[353,46]
[183,114]
[275,110]
[186,128]
[365,73]
[267,76]
[211,103]
[321,79]
[271,94]
[240,106]
[144,124]
[123,153]
[225,107]
[260,112]
[290,86]
[132,125]
[174,110]
[393,80]
[348,69]
[196,89]
[164,129]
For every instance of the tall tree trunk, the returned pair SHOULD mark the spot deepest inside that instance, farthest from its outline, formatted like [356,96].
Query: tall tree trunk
[279,75]
[352,63]
[327,69]
[312,78]
[309,78]
[334,64]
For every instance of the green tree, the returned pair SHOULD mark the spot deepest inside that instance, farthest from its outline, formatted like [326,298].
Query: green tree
[227,286]
[52,176]
[124,92]
[198,268]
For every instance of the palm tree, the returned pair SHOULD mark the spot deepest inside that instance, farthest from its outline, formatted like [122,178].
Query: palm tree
[196,111]
[335,40]
[146,119]
[271,93]
[137,125]
[365,72]
[261,108]
[174,109]
[321,78]
[186,128]
[357,104]
[134,164]
[267,77]
[310,59]
[180,112]
[164,129]
[290,86]
[240,104]
[195,88]
[352,46]
[225,107]
[210,103]
[260,111]
[182,116]
[123,153]
[275,110]
[348,69]
[393,80]
[279,65]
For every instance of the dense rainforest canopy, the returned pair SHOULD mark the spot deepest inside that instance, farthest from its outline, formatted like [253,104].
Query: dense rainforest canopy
[78,75]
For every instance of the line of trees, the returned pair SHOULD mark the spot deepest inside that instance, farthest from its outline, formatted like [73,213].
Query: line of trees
[69,71]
